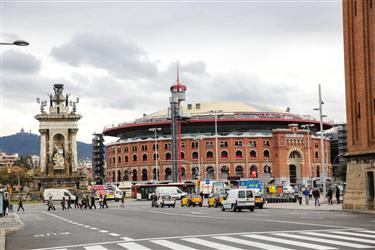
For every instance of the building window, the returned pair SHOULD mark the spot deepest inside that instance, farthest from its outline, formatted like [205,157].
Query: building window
[126,158]
[223,144]
[224,154]
[168,174]
[168,156]
[194,144]
[210,173]
[317,171]
[182,155]
[126,175]
[155,156]
[134,148]
[118,175]
[144,147]
[239,171]
[266,154]
[134,157]
[119,159]
[182,145]
[252,143]
[144,157]
[135,175]
[153,146]
[266,143]
[144,175]
[194,156]
[238,154]
[114,160]
[253,154]
[253,172]
[209,144]
[209,155]
[316,154]
[238,143]
[167,146]
[126,149]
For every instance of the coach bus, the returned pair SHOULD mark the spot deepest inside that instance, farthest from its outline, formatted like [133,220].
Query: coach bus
[144,191]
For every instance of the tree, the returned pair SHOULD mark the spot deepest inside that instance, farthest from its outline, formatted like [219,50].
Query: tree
[10,176]
[24,161]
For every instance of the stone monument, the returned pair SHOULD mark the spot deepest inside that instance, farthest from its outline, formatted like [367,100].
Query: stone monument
[58,144]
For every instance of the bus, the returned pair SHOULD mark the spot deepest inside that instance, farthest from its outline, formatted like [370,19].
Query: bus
[144,191]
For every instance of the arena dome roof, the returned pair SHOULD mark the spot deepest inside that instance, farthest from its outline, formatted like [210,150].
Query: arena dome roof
[225,107]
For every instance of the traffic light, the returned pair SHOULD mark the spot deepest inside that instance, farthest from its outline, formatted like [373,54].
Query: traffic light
[267,169]
[253,173]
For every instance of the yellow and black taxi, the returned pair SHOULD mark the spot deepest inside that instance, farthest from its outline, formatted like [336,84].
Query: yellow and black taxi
[194,200]
[259,200]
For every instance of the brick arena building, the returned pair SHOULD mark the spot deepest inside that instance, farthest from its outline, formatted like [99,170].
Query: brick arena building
[359,44]
[252,141]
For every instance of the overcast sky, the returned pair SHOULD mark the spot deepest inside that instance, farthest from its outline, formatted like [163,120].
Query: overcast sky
[120,57]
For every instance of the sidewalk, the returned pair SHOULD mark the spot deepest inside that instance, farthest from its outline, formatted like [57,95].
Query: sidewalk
[9,223]
[310,207]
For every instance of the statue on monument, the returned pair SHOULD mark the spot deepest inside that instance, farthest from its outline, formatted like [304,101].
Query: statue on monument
[58,157]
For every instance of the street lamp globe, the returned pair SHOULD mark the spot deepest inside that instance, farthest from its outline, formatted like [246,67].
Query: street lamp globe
[20,43]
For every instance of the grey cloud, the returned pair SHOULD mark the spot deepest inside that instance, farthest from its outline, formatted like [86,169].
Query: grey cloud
[19,62]
[121,58]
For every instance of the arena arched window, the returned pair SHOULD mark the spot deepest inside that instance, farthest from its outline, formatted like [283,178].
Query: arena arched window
[194,173]
[209,155]
[126,158]
[253,154]
[168,156]
[155,156]
[316,154]
[210,173]
[253,172]
[119,159]
[182,155]
[144,175]
[113,176]
[114,160]
[134,157]
[238,154]
[224,154]
[266,154]
[183,173]
[135,175]
[144,157]
[154,174]
[239,171]
[194,156]
[168,174]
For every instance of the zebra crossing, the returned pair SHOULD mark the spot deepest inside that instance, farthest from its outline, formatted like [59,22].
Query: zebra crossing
[287,240]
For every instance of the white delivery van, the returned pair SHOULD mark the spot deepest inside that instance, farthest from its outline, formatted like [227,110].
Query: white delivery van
[238,199]
[57,194]
[113,192]
[174,192]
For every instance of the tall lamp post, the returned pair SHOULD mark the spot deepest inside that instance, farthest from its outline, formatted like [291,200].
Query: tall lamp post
[17,43]
[216,113]
[321,137]
[155,130]
[308,126]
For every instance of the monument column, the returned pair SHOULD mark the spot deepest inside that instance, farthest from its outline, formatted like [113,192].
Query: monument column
[74,149]
[43,153]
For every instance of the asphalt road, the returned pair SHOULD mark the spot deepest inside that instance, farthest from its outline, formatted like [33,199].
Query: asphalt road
[138,226]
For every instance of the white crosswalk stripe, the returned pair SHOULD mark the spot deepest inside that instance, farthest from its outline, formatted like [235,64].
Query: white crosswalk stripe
[212,244]
[288,242]
[250,243]
[133,246]
[320,240]
[367,231]
[355,234]
[97,247]
[331,235]
[171,245]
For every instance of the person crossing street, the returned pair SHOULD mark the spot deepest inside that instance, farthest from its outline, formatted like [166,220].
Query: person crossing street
[20,204]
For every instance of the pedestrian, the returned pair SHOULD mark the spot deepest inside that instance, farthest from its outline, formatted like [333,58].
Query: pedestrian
[63,202]
[299,196]
[201,194]
[338,194]
[306,193]
[310,193]
[50,204]
[85,201]
[105,201]
[316,195]
[123,200]
[92,197]
[76,203]
[101,201]
[70,202]
[20,204]
[329,196]
[5,204]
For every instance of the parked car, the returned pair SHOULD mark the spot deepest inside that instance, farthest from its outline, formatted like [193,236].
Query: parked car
[239,199]
[165,200]
[194,200]
[215,200]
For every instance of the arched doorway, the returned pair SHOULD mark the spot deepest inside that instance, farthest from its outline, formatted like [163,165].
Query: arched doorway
[253,172]
[295,168]
[168,174]
[126,175]
[144,175]
[224,172]
[210,173]
[135,175]
[239,171]
[183,173]
[154,176]
[194,173]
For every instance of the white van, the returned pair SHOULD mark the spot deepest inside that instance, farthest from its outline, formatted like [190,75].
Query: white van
[113,192]
[174,192]
[57,194]
[238,199]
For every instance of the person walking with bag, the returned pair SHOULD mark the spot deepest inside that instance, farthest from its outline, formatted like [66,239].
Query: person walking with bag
[316,195]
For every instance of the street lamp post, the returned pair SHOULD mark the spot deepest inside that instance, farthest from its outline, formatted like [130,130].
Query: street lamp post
[321,137]
[156,153]
[216,113]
